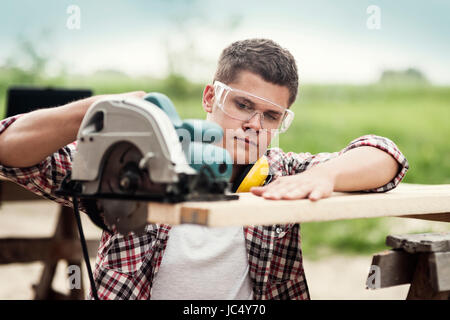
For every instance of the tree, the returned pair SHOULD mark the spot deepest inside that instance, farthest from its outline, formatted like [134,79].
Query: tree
[410,76]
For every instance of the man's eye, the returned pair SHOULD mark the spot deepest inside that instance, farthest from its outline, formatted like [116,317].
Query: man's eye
[243,106]
[271,116]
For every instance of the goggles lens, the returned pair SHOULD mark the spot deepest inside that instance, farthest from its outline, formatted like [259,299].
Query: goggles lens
[244,106]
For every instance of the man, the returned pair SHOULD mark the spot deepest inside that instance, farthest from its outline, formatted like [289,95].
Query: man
[255,84]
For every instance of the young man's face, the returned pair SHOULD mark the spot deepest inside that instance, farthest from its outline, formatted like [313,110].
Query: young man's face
[247,140]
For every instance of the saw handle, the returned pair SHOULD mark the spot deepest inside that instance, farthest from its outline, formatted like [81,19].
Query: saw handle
[166,105]
[200,149]
[199,130]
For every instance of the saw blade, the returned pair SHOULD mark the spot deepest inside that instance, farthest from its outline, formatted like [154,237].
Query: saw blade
[121,175]
[125,215]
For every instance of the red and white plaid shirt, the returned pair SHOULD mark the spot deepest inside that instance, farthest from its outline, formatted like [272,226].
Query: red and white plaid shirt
[126,265]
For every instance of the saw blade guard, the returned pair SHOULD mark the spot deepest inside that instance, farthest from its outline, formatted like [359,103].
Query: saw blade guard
[135,121]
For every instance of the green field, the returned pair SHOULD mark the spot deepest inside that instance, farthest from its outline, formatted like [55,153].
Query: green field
[327,118]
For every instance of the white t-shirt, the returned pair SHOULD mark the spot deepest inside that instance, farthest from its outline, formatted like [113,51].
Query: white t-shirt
[203,263]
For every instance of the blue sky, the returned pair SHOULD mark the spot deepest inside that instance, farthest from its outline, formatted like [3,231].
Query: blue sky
[329,39]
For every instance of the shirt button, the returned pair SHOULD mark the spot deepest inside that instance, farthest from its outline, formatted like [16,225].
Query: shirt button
[278,230]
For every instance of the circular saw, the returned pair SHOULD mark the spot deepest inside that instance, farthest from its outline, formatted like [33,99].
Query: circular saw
[131,151]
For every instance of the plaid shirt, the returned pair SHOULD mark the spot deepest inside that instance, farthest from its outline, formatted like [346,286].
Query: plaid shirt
[126,265]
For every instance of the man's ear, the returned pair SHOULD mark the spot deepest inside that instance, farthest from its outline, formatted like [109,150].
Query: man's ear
[208,98]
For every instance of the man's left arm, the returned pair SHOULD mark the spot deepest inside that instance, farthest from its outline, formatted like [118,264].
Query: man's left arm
[369,163]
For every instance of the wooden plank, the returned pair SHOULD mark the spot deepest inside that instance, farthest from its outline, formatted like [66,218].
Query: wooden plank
[441,217]
[13,192]
[51,294]
[253,210]
[439,263]
[421,242]
[395,267]
[25,250]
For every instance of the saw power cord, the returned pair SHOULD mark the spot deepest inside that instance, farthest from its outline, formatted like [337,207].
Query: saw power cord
[84,248]
[204,170]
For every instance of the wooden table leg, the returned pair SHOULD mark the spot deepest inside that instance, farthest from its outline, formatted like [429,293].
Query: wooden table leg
[65,229]
[421,288]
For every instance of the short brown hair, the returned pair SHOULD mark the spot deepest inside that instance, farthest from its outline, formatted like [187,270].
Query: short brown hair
[263,57]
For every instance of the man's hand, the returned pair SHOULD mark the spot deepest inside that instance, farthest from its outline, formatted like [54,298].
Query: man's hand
[362,168]
[315,183]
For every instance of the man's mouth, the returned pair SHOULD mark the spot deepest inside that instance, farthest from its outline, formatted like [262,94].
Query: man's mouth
[247,141]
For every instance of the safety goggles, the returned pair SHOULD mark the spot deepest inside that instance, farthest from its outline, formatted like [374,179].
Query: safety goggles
[243,106]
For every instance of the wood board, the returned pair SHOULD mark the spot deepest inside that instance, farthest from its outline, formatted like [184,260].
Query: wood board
[430,202]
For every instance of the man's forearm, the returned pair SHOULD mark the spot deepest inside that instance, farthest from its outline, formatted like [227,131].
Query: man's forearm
[361,168]
[36,135]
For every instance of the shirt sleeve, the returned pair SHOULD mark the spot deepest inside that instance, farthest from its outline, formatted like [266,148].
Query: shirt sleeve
[291,163]
[45,177]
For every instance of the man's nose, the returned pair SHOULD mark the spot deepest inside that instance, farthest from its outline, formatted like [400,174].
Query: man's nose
[255,122]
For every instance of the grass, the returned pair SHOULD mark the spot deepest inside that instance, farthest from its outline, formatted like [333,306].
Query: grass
[357,236]
[327,119]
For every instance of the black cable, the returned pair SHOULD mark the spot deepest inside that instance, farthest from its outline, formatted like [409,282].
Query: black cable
[84,248]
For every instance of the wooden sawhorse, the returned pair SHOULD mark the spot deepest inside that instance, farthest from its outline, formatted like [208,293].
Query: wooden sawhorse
[63,245]
[420,259]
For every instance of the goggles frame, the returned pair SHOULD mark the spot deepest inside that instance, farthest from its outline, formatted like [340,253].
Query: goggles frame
[222,90]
